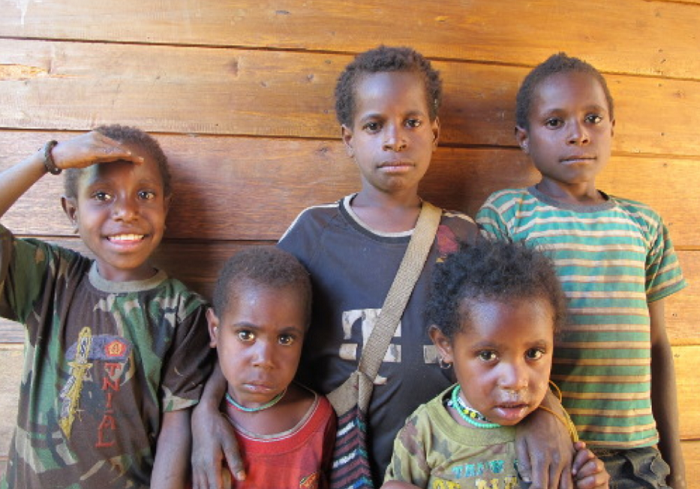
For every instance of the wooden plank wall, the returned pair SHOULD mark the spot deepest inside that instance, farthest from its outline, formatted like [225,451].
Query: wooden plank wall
[241,96]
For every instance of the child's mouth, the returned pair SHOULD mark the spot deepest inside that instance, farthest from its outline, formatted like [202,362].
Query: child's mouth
[126,238]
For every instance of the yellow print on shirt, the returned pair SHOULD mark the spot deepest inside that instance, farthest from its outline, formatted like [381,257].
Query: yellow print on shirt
[510,482]
[71,392]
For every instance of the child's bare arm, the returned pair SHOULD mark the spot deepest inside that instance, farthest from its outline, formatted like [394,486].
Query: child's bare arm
[78,152]
[544,448]
[589,471]
[171,467]
[213,438]
[664,400]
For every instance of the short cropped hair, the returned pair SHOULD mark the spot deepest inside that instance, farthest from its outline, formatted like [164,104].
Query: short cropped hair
[266,266]
[385,59]
[555,64]
[125,134]
[486,271]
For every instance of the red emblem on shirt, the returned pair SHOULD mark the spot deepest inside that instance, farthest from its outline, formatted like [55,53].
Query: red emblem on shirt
[115,349]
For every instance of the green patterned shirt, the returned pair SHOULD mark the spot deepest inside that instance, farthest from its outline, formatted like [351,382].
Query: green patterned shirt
[434,451]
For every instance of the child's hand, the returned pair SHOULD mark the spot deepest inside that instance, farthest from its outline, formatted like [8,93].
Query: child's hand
[588,470]
[88,149]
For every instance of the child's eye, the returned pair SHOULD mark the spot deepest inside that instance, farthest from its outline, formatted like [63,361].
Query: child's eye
[414,123]
[594,119]
[371,127]
[287,339]
[147,195]
[102,196]
[487,355]
[534,354]
[246,335]
[553,123]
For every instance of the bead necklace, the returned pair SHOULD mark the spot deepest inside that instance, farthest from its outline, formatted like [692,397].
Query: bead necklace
[267,405]
[470,415]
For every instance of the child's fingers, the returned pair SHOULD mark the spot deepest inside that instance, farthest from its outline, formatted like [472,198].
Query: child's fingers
[89,149]
[592,475]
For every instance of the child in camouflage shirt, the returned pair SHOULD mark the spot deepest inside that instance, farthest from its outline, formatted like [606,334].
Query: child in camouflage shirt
[115,351]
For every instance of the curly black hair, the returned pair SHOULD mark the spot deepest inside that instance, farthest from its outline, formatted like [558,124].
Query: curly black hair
[555,64]
[385,59]
[491,271]
[125,134]
[266,266]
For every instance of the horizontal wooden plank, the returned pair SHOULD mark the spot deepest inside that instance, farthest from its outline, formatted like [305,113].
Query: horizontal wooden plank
[11,358]
[691,456]
[74,86]
[687,362]
[639,37]
[252,188]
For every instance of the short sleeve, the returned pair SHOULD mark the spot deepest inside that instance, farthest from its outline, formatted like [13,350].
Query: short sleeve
[189,359]
[491,222]
[663,272]
[409,462]
[29,270]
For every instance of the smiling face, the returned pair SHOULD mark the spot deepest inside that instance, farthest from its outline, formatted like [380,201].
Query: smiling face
[392,137]
[259,339]
[120,212]
[502,357]
[570,133]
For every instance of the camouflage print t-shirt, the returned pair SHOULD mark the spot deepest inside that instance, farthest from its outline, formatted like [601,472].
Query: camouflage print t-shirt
[434,451]
[103,361]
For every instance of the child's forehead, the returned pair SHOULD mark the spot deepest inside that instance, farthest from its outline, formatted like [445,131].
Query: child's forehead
[572,85]
[384,87]
[487,314]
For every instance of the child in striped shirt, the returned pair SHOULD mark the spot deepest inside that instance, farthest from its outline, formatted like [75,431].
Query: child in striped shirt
[616,263]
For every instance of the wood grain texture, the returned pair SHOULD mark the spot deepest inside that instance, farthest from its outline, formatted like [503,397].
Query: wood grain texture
[632,36]
[284,94]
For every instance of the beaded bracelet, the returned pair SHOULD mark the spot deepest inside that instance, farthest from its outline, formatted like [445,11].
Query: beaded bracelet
[49,163]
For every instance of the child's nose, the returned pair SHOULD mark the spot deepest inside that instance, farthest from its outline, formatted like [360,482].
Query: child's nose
[394,138]
[577,133]
[514,377]
[262,355]
[124,209]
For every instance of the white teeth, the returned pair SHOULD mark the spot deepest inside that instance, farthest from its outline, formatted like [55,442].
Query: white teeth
[126,237]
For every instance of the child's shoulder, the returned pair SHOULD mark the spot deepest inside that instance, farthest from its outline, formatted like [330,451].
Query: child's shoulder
[633,205]
[507,195]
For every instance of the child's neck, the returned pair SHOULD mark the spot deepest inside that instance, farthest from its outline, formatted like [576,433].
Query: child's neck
[387,213]
[576,194]
[283,416]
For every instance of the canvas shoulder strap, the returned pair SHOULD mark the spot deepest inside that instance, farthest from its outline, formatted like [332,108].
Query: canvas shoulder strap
[358,387]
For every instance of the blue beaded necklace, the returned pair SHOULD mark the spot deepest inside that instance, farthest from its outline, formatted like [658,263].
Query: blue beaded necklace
[470,415]
[267,405]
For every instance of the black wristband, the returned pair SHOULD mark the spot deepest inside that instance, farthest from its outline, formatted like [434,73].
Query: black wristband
[49,163]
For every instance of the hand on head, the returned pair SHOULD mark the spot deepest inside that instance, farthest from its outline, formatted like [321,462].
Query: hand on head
[89,149]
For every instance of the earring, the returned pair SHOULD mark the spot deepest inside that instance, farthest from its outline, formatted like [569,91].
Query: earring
[443,364]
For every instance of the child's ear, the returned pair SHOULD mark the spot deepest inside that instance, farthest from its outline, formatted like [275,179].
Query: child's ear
[70,207]
[346,136]
[435,126]
[213,322]
[612,128]
[523,139]
[442,343]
